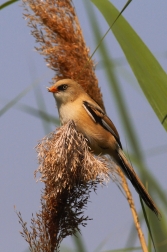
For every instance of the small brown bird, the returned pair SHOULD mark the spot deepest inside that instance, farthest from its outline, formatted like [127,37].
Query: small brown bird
[75,104]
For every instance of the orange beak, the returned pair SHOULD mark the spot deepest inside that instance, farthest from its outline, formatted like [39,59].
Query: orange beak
[52,89]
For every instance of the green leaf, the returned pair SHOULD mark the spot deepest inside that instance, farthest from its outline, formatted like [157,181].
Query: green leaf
[150,75]
[79,242]
[159,229]
[7,3]
[18,98]
[125,250]
[64,248]
[147,223]
[42,115]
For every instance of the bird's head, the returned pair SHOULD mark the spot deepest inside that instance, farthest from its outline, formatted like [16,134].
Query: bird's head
[65,91]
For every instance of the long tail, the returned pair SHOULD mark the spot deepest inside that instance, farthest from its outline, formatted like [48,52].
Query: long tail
[132,176]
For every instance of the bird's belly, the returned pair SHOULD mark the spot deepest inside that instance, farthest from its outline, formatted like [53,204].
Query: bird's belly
[100,140]
[96,139]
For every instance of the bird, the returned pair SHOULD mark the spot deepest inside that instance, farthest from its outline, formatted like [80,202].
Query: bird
[73,103]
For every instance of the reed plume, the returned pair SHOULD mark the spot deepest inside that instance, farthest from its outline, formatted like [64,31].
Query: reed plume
[55,26]
[69,172]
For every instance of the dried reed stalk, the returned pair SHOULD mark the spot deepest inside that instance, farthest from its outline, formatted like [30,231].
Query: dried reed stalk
[134,213]
[68,169]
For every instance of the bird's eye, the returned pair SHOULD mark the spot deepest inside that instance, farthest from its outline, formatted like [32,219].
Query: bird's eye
[62,87]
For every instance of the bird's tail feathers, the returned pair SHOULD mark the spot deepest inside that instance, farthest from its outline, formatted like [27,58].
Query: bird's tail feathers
[136,182]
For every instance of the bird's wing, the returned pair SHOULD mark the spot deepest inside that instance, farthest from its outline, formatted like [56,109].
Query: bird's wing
[98,116]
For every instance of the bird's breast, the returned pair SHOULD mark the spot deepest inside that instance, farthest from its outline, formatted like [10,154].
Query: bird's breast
[100,140]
